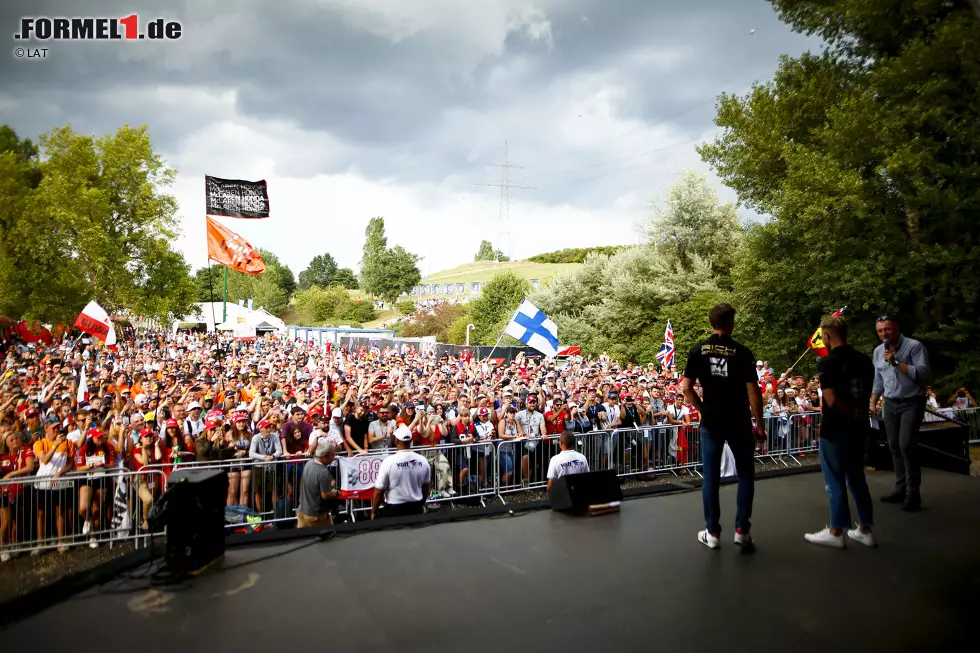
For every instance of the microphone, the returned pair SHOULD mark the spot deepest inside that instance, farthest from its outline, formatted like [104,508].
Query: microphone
[888,347]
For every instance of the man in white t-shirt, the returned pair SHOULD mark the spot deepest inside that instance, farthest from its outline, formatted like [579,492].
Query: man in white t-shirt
[403,480]
[567,461]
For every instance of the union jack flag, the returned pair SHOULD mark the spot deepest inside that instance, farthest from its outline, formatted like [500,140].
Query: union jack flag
[666,354]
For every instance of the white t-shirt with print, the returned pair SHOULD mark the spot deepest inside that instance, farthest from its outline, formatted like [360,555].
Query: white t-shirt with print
[567,463]
[401,477]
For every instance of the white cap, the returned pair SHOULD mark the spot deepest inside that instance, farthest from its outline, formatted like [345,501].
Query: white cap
[403,433]
[140,398]
[193,406]
[758,363]
[337,413]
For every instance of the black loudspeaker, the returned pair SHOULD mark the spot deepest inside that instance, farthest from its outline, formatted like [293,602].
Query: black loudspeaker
[941,445]
[194,513]
[591,493]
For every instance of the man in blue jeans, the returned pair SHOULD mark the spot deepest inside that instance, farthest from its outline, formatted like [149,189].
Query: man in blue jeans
[726,370]
[846,378]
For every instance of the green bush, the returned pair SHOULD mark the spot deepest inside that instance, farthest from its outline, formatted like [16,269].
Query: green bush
[406,307]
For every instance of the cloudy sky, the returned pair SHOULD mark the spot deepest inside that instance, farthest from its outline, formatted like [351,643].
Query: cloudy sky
[400,108]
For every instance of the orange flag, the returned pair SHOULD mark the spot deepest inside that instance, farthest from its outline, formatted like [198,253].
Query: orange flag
[228,248]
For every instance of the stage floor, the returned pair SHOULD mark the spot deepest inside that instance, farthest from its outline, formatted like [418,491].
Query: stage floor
[545,582]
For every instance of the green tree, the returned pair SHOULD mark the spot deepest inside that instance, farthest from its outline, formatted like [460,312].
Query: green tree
[488,253]
[324,304]
[320,272]
[864,160]
[434,322]
[456,333]
[88,221]
[345,277]
[693,222]
[498,300]
[386,272]
[270,290]
[575,254]
[209,283]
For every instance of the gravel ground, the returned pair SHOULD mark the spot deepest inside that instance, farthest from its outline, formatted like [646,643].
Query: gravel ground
[25,573]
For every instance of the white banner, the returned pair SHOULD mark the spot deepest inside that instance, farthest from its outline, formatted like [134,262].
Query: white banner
[244,332]
[358,475]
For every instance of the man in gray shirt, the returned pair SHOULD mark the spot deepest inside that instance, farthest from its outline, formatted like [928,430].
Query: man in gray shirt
[318,491]
[901,373]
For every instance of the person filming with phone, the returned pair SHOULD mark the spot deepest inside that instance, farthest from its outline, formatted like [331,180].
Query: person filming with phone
[901,374]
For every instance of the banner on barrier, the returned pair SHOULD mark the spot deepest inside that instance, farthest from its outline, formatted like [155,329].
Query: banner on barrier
[358,475]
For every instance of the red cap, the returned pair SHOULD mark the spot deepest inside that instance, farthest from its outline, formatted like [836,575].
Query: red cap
[210,424]
[30,412]
[264,423]
[240,417]
[94,433]
[147,432]
[484,411]
[172,422]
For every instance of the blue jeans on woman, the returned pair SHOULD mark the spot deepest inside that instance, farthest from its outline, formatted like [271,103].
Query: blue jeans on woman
[842,462]
[742,445]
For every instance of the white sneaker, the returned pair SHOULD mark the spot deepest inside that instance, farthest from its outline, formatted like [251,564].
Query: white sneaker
[709,540]
[93,544]
[87,527]
[744,540]
[826,538]
[4,557]
[35,553]
[867,539]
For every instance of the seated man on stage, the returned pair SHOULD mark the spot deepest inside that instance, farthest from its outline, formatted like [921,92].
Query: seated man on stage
[567,461]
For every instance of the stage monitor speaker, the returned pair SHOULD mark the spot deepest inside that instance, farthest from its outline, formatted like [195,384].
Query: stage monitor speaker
[195,519]
[941,445]
[586,494]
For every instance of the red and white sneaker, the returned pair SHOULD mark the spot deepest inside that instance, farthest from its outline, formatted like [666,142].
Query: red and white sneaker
[709,540]
[744,540]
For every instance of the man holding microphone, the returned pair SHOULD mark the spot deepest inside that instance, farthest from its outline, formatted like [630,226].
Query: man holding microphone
[901,373]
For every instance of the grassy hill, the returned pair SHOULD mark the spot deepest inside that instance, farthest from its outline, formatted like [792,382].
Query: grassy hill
[482,271]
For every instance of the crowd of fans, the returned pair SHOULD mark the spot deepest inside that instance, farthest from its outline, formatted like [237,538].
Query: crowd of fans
[159,401]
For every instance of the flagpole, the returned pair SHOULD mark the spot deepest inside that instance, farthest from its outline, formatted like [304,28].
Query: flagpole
[497,344]
[224,301]
[807,351]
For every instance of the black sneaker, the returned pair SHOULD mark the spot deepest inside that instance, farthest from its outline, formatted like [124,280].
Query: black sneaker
[895,497]
[913,503]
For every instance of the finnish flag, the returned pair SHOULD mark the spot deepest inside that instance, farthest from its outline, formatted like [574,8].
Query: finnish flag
[534,329]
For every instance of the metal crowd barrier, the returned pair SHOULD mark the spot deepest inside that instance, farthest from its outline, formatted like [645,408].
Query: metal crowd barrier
[969,416]
[41,513]
[267,493]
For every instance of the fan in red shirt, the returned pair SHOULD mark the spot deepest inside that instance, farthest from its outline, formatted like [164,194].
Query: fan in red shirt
[95,457]
[16,460]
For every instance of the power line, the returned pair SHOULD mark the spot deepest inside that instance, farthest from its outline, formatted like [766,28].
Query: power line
[626,158]
[641,127]
[503,211]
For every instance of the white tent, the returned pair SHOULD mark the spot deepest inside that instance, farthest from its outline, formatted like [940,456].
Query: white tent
[208,314]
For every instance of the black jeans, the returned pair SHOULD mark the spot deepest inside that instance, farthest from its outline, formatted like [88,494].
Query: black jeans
[902,418]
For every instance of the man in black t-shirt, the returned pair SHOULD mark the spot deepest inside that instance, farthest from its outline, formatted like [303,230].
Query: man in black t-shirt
[356,428]
[846,379]
[726,370]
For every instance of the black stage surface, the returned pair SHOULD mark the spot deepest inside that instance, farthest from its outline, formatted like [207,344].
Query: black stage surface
[545,582]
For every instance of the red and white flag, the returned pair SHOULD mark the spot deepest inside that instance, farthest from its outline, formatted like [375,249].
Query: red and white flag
[94,321]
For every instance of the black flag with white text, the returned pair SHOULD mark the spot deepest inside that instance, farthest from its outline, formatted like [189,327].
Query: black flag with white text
[235,198]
